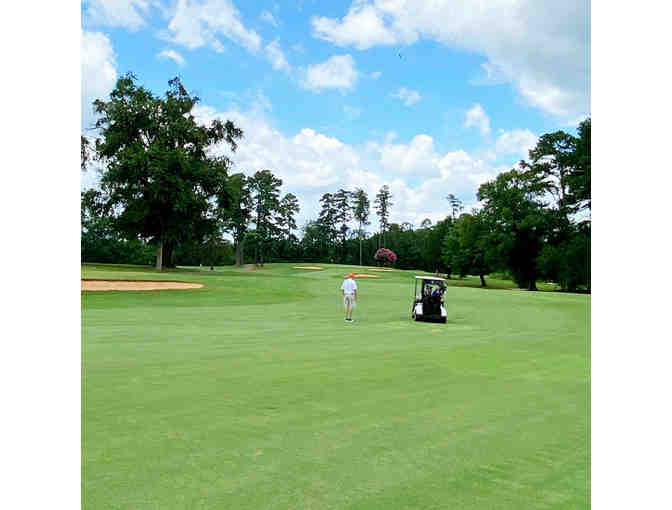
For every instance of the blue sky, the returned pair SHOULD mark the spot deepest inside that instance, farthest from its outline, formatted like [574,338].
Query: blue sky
[430,98]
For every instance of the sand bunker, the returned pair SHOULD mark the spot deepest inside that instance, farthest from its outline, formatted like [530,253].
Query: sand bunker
[308,267]
[363,275]
[382,269]
[99,285]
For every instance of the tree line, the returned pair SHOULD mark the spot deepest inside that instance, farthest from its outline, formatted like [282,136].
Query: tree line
[164,198]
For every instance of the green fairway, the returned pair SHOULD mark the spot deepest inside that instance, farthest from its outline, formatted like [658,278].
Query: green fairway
[253,393]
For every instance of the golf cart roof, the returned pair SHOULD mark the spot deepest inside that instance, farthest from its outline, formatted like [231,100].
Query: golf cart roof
[430,278]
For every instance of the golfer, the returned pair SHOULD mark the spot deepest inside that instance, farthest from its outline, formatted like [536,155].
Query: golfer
[349,291]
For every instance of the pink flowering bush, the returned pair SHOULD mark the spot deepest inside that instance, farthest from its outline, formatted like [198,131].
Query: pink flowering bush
[385,257]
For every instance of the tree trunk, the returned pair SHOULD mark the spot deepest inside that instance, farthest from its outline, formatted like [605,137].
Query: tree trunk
[360,250]
[482,280]
[240,246]
[168,248]
[159,256]
[533,285]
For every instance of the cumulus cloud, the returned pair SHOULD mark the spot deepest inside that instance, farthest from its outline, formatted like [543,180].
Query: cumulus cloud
[276,56]
[408,96]
[516,141]
[311,163]
[338,72]
[539,47]
[99,72]
[196,24]
[117,13]
[172,55]
[476,117]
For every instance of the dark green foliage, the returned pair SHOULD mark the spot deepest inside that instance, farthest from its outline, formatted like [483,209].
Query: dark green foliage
[466,247]
[265,196]
[514,214]
[159,184]
[101,243]
[568,263]
[237,217]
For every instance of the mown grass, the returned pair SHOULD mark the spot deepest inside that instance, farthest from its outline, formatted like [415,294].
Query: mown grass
[253,393]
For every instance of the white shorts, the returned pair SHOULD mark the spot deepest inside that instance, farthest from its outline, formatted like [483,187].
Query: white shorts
[349,300]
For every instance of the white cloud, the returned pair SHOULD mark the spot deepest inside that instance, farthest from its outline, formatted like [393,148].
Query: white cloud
[276,56]
[311,163]
[363,27]
[117,13]
[408,96]
[172,55]
[375,75]
[99,72]
[338,72]
[540,47]
[476,117]
[516,141]
[196,24]
[268,17]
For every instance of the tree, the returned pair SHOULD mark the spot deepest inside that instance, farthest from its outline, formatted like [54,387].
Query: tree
[578,180]
[327,223]
[343,214]
[286,223]
[382,204]
[455,204]
[288,208]
[465,247]
[426,223]
[237,219]
[361,214]
[515,216]
[159,182]
[265,192]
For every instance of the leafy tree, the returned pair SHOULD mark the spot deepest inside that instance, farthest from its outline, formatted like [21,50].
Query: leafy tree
[465,247]
[265,192]
[237,218]
[100,242]
[578,180]
[327,223]
[286,223]
[433,247]
[382,205]
[343,214]
[159,182]
[426,223]
[514,213]
[288,208]
[361,214]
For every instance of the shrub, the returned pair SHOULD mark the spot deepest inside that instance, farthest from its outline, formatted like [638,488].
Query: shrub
[385,257]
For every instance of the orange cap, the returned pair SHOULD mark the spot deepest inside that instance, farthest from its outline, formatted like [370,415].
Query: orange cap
[351,275]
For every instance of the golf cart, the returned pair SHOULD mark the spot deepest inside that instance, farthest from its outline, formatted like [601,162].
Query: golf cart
[428,304]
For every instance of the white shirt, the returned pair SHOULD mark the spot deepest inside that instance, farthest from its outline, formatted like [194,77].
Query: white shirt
[349,286]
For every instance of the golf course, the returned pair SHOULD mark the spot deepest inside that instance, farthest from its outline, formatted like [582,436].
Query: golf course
[249,391]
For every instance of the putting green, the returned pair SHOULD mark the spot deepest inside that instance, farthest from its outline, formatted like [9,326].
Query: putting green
[252,392]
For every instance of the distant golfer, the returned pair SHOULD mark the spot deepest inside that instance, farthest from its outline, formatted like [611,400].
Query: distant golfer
[349,291]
